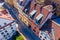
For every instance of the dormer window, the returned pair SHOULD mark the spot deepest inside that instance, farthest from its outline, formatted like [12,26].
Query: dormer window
[38,18]
[33,13]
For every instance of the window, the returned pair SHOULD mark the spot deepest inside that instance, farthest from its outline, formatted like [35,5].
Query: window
[0,25]
[10,24]
[41,33]
[43,39]
[40,36]
[5,37]
[7,33]
[0,30]
[5,30]
[11,27]
[4,23]
[12,30]
[2,33]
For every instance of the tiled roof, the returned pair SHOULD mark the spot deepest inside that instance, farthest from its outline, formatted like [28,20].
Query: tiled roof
[45,11]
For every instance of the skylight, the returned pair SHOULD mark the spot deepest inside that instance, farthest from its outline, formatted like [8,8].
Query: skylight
[33,12]
[39,17]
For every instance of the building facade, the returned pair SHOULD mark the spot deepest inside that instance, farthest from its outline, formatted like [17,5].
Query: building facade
[7,25]
[38,18]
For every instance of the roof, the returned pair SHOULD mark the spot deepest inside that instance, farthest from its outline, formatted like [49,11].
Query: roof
[56,19]
[5,14]
[34,11]
[48,7]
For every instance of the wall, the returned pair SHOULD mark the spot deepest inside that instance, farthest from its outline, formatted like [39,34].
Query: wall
[23,19]
[34,27]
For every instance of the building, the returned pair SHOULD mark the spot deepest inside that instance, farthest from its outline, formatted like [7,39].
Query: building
[52,25]
[7,25]
[56,27]
[35,16]
[40,18]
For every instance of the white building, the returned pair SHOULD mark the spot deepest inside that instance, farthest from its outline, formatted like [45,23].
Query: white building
[7,25]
